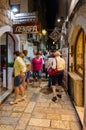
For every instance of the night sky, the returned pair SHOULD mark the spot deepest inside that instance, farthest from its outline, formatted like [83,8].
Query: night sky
[48,10]
[51,15]
[48,13]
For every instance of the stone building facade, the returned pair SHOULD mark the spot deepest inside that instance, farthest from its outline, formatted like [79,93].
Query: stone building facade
[8,43]
[77,56]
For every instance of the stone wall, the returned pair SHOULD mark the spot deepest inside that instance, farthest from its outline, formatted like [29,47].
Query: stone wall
[5,17]
[78,21]
[15,1]
[5,13]
[4,4]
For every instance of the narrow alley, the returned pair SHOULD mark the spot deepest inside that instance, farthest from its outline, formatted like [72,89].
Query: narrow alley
[38,112]
[35,36]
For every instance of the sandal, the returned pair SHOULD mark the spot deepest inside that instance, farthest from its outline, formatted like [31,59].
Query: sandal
[40,86]
[22,99]
[13,102]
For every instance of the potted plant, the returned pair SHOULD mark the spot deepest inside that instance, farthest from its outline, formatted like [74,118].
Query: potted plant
[10,64]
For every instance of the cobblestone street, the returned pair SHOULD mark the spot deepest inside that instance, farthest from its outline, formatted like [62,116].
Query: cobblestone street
[38,112]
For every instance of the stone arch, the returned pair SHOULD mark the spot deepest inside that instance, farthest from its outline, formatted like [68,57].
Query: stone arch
[72,43]
[7,28]
[75,31]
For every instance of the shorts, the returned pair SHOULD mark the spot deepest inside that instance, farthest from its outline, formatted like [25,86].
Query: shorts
[53,80]
[37,74]
[18,80]
[60,75]
[27,75]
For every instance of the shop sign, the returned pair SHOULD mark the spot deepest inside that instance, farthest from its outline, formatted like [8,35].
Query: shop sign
[26,28]
[55,35]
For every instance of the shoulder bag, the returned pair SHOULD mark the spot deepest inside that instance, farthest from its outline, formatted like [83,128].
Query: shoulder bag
[52,71]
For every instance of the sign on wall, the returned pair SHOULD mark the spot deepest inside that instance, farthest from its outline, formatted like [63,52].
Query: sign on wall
[55,35]
[27,28]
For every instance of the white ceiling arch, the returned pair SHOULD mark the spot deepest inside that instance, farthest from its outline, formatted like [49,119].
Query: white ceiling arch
[9,29]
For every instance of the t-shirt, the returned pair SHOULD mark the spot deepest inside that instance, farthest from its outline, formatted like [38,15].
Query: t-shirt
[37,64]
[19,65]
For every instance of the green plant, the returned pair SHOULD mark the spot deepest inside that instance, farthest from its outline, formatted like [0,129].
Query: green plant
[10,64]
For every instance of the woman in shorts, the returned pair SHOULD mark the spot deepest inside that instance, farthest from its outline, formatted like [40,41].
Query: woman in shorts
[19,73]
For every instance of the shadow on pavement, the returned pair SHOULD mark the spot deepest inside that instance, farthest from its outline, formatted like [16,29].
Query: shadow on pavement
[46,90]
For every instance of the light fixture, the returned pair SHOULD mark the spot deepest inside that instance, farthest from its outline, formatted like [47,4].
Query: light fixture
[59,20]
[44,32]
[53,42]
[14,9]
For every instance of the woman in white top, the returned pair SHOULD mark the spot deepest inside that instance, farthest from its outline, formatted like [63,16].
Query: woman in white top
[52,63]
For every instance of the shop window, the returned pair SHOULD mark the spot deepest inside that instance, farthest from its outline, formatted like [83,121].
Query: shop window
[79,53]
[29,36]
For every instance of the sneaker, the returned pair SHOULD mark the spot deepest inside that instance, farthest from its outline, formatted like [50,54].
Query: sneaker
[58,95]
[54,99]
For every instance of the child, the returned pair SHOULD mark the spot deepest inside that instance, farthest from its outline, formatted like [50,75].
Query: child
[28,69]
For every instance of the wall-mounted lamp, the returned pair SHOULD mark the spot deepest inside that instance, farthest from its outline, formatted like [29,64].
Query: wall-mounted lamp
[15,10]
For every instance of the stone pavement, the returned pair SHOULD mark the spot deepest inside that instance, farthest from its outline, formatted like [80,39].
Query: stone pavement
[38,112]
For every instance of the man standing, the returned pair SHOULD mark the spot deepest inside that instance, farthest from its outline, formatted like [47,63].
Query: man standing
[60,73]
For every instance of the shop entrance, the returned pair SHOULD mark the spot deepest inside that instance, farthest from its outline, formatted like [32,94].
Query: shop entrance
[79,57]
[7,48]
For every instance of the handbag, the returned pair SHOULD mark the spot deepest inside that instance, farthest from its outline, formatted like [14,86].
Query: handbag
[52,71]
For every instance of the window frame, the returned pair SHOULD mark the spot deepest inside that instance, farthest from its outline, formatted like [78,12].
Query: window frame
[75,56]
